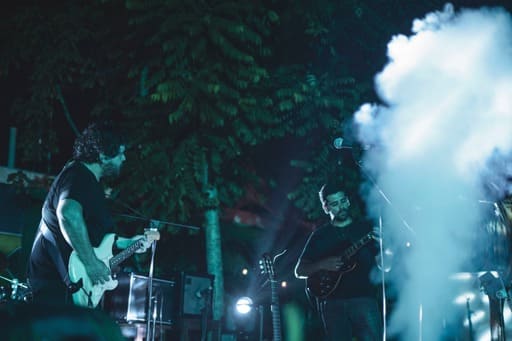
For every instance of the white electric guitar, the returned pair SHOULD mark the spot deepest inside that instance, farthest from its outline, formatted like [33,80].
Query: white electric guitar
[89,295]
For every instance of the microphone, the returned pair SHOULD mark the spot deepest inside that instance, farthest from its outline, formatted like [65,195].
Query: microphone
[203,292]
[341,143]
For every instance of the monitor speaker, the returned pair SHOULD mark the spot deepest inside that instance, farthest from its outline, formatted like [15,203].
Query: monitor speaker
[197,294]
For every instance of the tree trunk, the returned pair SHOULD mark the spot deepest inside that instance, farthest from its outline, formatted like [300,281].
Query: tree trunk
[214,255]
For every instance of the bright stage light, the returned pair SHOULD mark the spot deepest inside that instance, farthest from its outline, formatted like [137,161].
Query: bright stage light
[464,298]
[244,305]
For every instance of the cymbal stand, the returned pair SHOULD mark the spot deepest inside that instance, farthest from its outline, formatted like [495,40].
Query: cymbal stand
[15,285]
[14,282]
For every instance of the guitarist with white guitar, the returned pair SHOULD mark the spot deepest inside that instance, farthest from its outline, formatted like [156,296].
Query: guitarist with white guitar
[336,263]
[75,219]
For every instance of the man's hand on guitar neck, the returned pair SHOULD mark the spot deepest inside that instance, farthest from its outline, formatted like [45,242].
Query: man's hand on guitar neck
[123,243]
[146,243]
[147,239]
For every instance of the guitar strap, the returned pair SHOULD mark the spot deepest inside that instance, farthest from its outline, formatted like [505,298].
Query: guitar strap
[56,255]
[312,300]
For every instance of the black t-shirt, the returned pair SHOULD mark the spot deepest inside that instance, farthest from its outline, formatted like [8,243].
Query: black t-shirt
[77,182]
[329,240]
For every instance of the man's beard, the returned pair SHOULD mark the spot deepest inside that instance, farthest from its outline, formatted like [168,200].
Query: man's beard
[342,215]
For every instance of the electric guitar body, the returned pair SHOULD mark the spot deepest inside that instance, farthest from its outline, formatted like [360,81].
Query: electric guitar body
[89,294]
[322,283]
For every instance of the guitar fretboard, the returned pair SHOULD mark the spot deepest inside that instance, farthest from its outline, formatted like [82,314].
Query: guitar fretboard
[125,254]
[274,308]
[356,246]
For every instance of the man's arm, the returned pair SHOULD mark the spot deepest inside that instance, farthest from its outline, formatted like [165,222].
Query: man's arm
[74,230]
[306,268]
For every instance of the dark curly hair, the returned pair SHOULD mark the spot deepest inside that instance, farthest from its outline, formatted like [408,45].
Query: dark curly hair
[333,186]
[95,139]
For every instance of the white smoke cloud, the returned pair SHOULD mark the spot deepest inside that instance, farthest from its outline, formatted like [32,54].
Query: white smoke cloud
[443,137]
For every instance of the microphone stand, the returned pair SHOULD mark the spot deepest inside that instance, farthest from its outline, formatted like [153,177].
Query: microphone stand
[381,246]
[383,195]
[150,334]
[470,322]
[139,216]
[160,222]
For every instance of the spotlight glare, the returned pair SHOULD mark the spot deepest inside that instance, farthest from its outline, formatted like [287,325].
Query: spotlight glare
[478,316]
[464,297]
[245,271]
[244,305]
[284,284]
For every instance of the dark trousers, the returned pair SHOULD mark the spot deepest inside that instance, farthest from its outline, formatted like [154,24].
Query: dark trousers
[344,319]
[43,275]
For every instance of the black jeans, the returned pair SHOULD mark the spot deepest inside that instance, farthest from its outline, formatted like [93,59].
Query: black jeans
[352,317]
[43,275]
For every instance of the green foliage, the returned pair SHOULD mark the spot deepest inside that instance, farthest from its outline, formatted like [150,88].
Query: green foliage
[209,84]
[50,47]
[317,109]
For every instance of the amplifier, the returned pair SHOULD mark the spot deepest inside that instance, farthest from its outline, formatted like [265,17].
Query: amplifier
[128,302]
[196,294]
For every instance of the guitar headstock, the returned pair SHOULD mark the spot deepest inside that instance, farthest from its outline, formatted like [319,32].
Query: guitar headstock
[267,266]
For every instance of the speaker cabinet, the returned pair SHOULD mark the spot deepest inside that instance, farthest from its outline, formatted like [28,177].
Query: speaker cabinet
[196,294]
[128,302]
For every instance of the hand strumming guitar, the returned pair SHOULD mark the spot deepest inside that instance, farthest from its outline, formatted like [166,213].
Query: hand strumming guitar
[97,271]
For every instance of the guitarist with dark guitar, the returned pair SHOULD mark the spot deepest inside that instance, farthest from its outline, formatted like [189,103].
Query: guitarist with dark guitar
[336,263]
[75,220]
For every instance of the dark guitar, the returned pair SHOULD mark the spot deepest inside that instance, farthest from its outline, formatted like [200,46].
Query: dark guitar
[322,283]
[494,289]
[267,267]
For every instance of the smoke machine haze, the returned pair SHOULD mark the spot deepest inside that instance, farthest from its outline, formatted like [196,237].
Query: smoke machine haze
[444,137]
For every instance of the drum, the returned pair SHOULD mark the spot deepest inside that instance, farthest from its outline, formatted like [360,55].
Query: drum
[127,303]
[17,291]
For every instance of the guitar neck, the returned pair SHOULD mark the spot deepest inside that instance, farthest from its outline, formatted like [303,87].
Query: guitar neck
[356,246]
[125,254]
[274,308]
